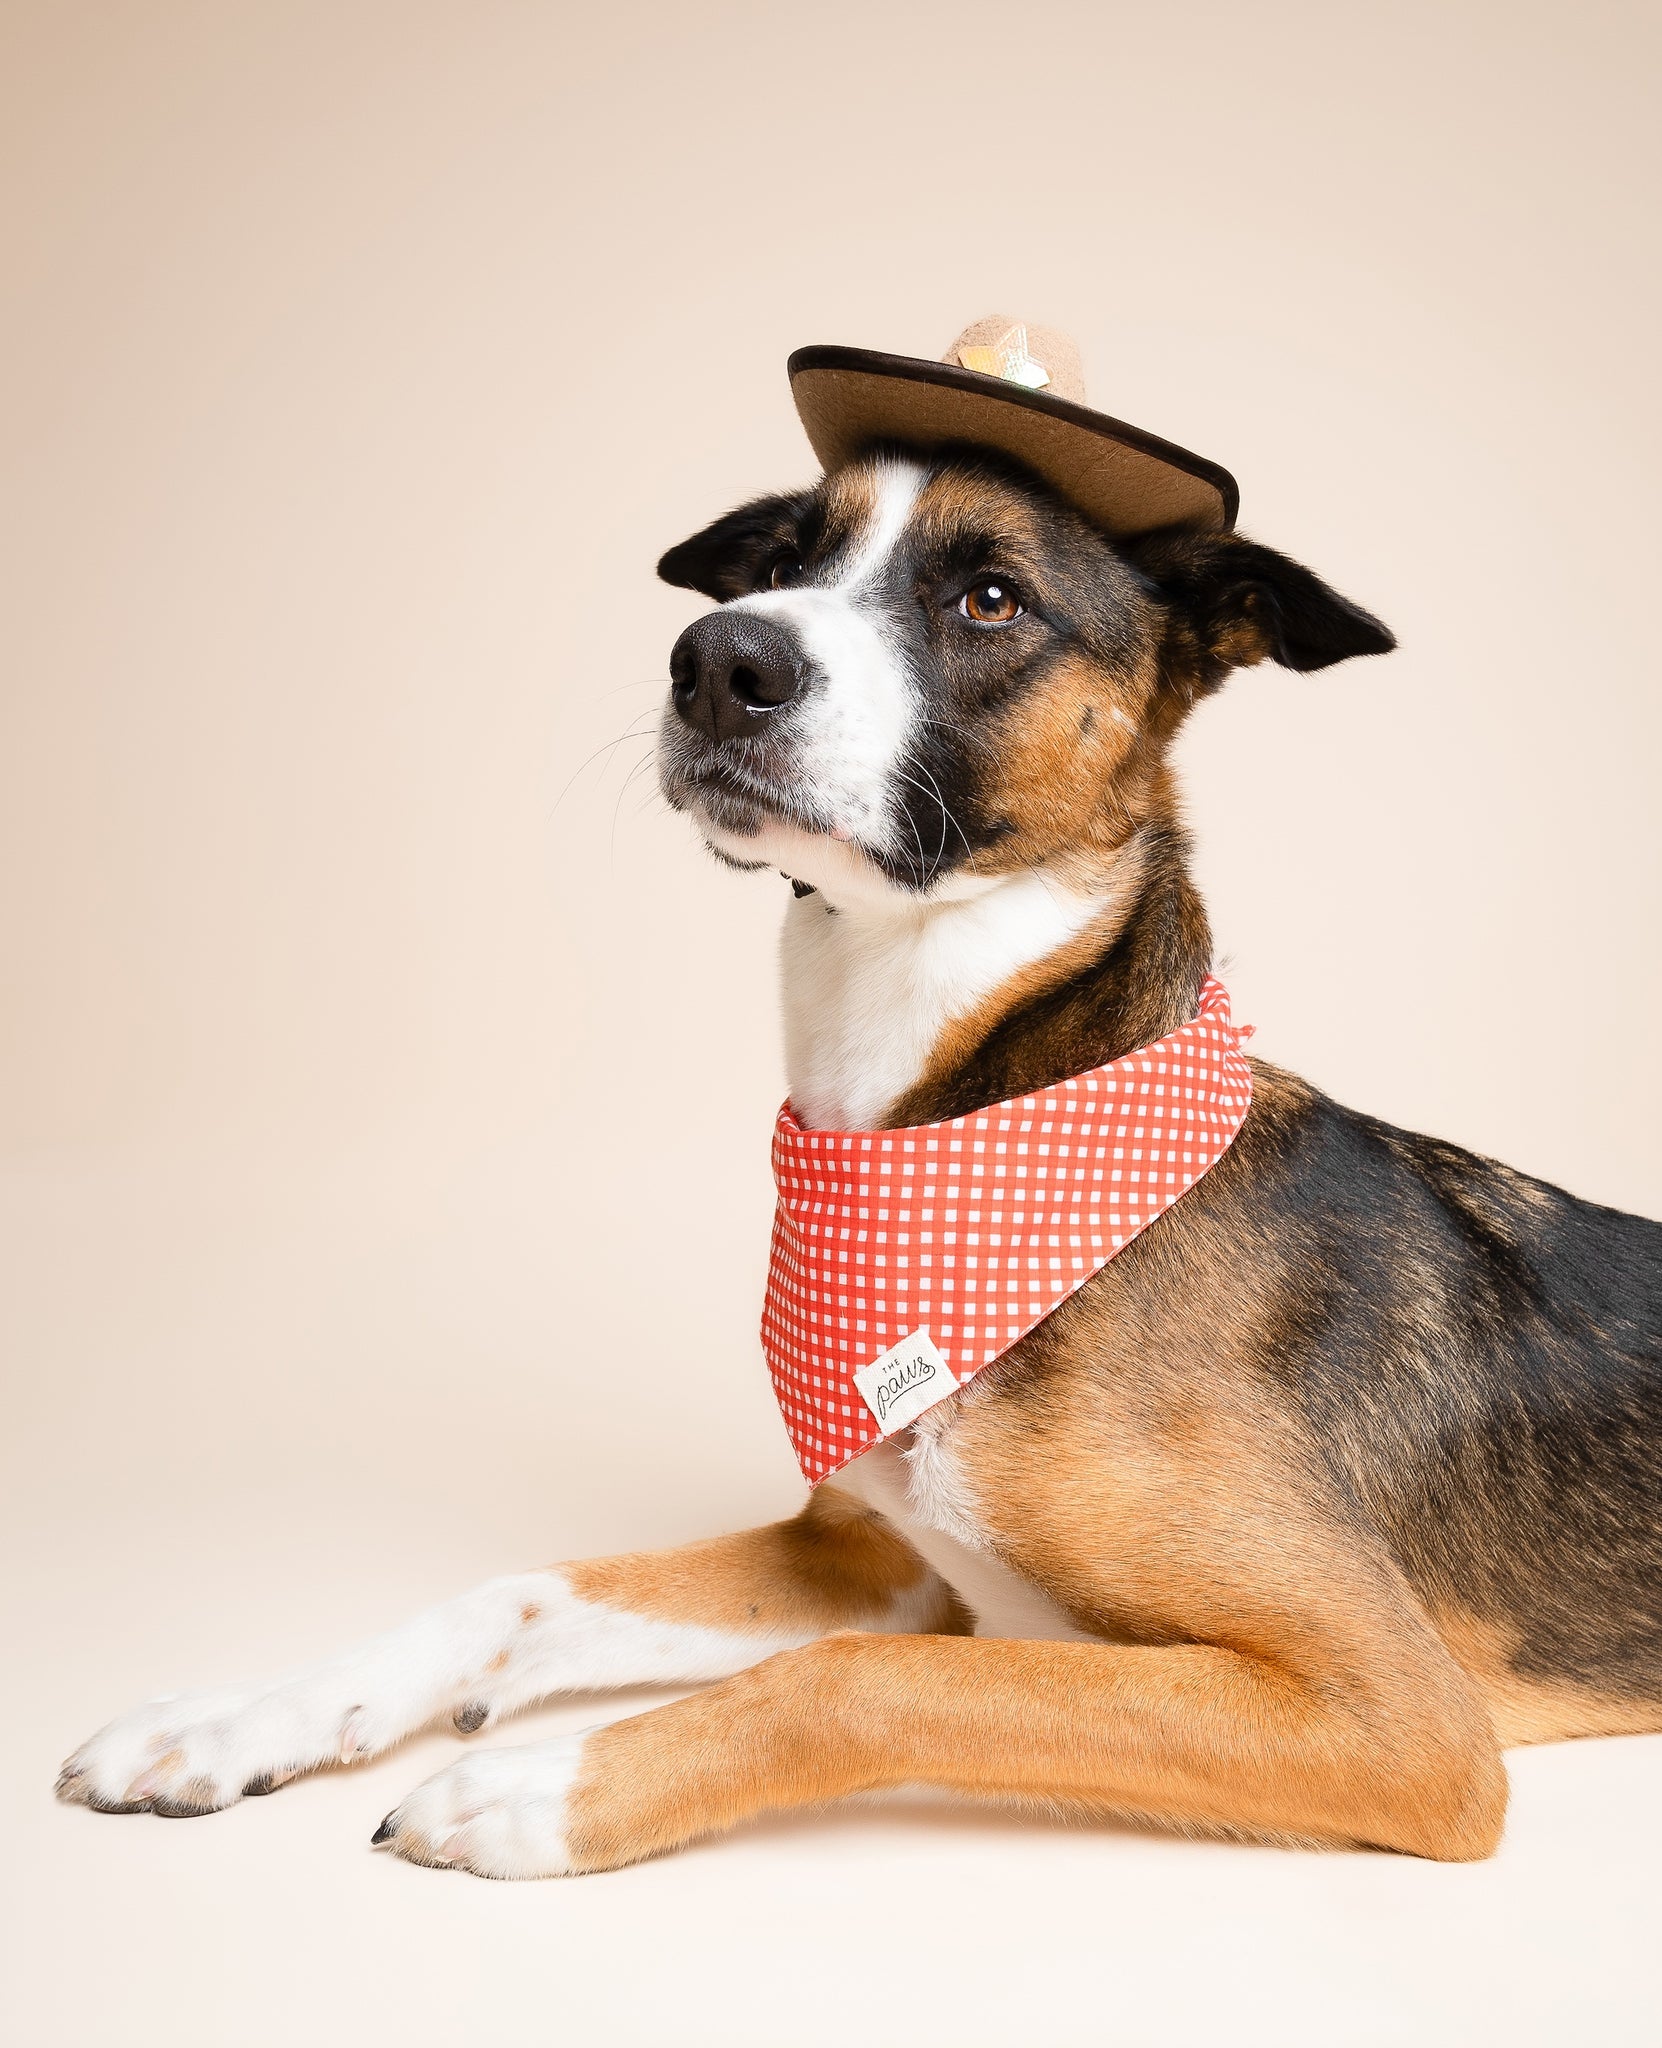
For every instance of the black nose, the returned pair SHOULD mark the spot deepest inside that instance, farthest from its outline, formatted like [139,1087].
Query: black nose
[729,670]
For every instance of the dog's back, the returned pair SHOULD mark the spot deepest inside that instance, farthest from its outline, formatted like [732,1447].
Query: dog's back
[1484,1359]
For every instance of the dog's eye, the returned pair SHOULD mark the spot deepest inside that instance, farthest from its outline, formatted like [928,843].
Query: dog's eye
[992,603]
[786,571]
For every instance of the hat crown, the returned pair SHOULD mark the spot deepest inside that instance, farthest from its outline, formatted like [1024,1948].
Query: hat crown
[1036,358]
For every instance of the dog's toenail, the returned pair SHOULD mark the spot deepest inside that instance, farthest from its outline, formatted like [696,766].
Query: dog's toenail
[386,1831]
[267,1781]
[474,1715]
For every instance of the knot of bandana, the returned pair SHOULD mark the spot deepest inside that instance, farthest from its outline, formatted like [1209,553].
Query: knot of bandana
[904,1261]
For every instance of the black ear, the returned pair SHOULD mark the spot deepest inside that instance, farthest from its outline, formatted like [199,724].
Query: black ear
[1234,602]
[727,558]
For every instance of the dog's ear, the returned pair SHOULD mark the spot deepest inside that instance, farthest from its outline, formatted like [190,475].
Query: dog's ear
[727,558]
[1232,602]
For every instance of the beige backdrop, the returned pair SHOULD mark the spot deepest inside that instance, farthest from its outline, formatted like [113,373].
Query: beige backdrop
[386,1081]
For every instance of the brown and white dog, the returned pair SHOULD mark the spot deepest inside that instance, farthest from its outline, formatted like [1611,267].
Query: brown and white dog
[1343,1476]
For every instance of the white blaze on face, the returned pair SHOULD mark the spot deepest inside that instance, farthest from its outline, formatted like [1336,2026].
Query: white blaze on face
[852,726]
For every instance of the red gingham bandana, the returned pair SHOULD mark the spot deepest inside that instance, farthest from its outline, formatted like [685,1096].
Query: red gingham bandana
[904,1261]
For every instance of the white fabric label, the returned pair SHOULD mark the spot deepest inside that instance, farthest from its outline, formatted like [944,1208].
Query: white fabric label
[907,1379]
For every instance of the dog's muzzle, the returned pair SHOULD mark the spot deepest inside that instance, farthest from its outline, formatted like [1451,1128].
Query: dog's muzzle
[729,671]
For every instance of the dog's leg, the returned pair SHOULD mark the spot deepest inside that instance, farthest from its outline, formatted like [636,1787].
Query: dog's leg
[1193,1735]
[691,1614]
[1264,1668]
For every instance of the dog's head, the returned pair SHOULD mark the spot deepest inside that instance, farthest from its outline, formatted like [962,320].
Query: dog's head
[928,671]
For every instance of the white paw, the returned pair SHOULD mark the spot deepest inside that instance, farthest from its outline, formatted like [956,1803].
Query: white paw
[499,1813]
[192,1755]
[207,1750]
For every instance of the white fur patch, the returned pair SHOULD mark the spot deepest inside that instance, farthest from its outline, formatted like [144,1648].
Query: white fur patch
[853,730]
[498,1648]
[917,1485]
[870,984]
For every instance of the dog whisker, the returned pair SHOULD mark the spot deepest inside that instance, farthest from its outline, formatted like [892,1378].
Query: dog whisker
[609,748]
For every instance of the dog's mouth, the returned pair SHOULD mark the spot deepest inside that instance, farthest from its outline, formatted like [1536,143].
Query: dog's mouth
[742,787]
[765,801]
[753,818]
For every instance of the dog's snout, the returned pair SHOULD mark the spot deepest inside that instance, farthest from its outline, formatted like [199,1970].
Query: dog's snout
[729,670]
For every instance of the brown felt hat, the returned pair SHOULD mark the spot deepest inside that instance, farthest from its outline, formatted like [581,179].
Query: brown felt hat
[1019,389]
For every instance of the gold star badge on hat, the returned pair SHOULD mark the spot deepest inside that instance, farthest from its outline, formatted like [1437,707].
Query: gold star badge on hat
[1007,357]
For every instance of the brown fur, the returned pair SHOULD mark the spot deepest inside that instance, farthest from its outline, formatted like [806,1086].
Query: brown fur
[1191,1734]
[1524,1712]
[1058,755]
[833,1566]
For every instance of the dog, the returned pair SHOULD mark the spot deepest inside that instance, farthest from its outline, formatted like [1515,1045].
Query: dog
[1339,1479]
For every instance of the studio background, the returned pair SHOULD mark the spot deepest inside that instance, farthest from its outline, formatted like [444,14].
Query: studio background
[386,1080]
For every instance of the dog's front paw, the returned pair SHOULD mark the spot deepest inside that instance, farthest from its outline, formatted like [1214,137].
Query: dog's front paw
[180,1757]
[500,1813]
[480,1654]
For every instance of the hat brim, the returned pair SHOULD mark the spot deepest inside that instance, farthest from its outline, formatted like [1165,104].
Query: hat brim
[1125,481]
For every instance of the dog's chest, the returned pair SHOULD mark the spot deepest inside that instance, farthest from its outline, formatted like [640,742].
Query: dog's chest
[913,1482]
[868,992]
